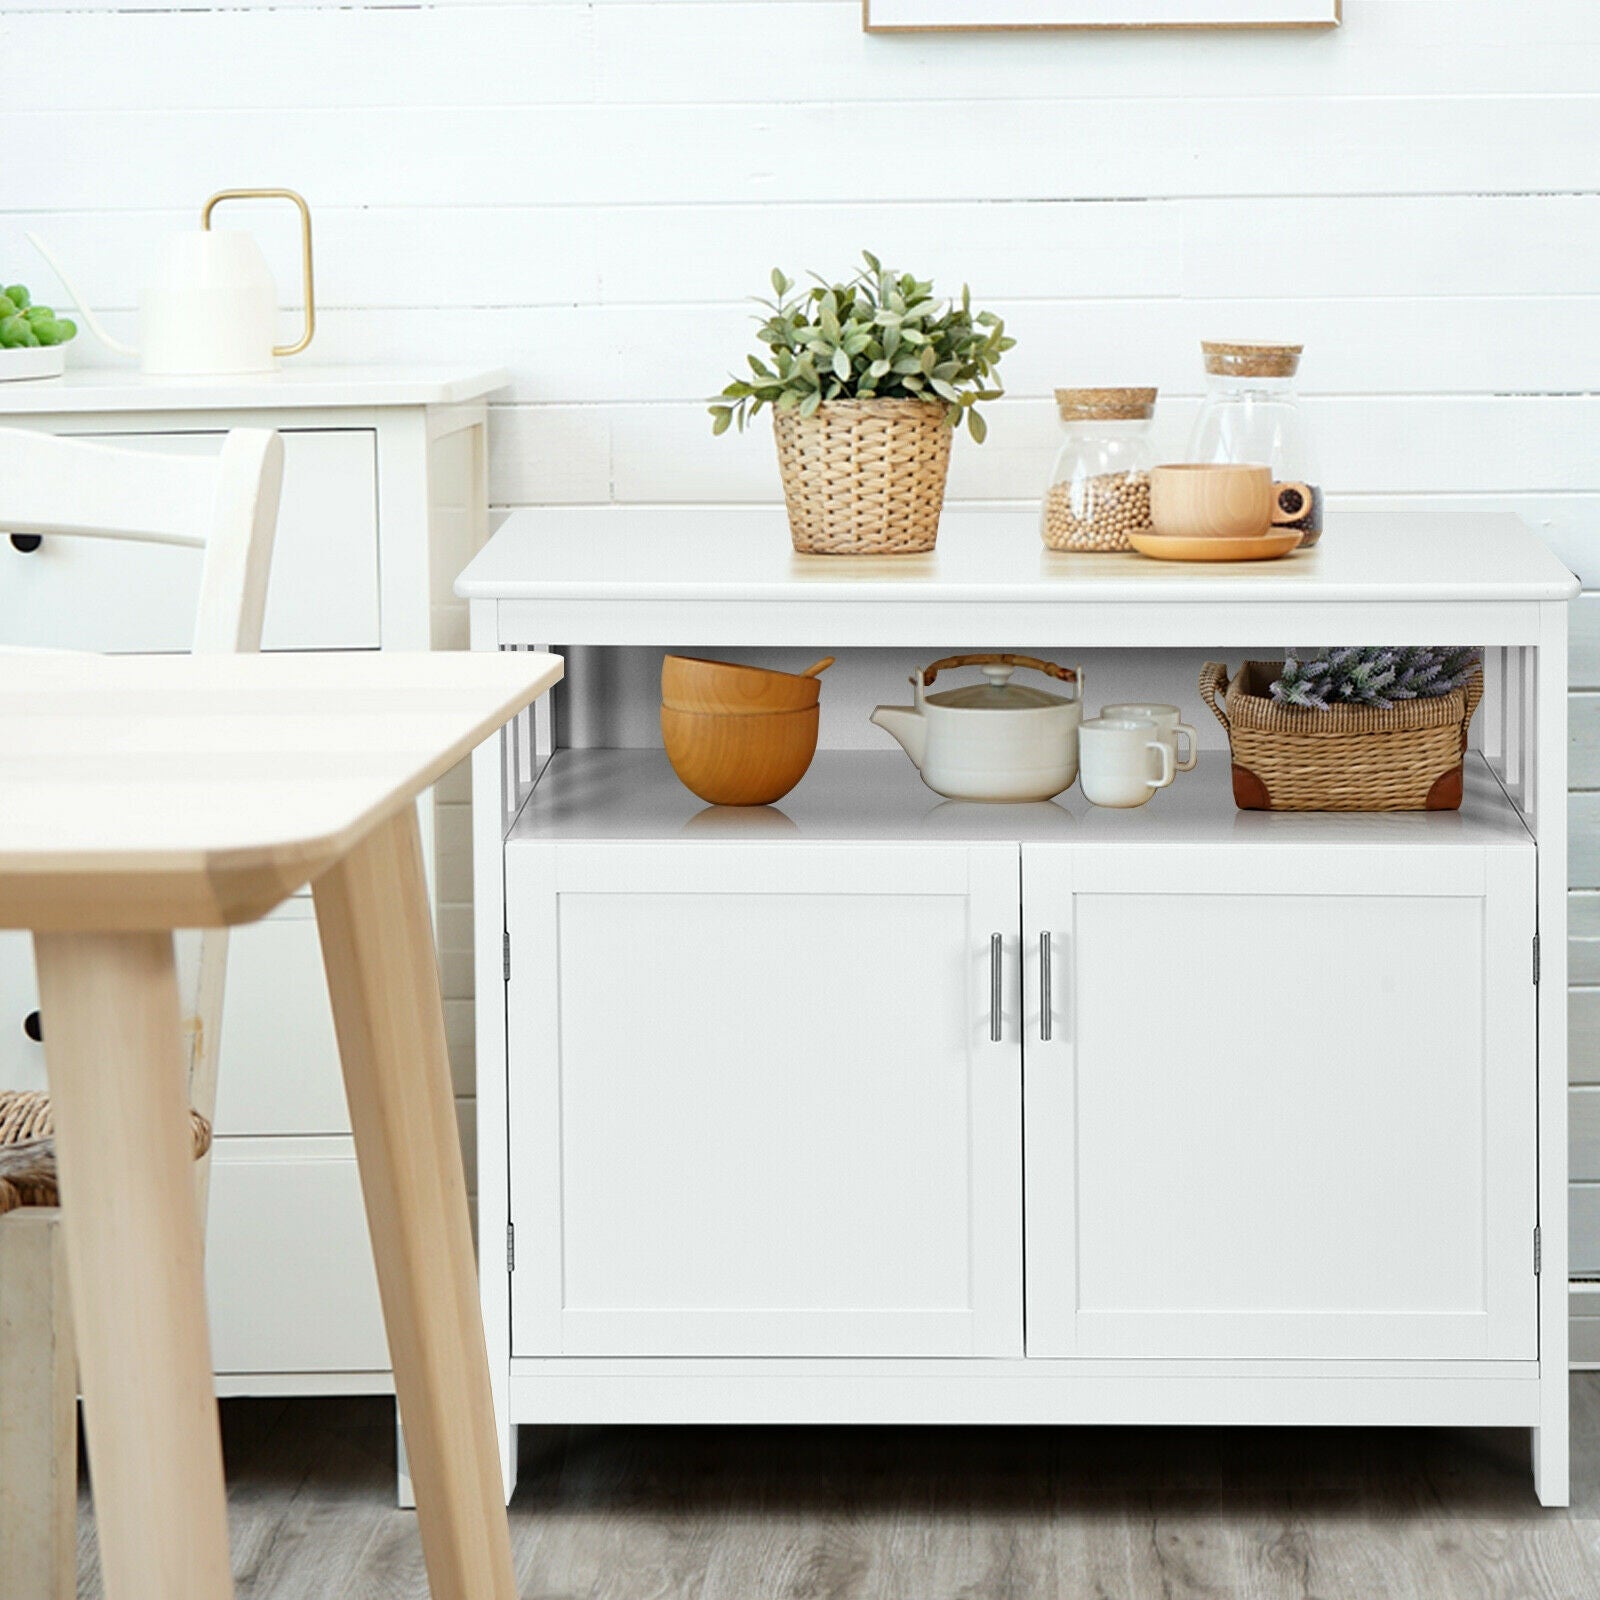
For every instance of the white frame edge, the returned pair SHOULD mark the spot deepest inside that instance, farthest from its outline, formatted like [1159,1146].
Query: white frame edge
[976,16]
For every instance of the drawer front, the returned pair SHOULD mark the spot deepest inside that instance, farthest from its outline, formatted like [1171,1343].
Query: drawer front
[100,594]
[289,1272]
[278,1069]
[21,1058]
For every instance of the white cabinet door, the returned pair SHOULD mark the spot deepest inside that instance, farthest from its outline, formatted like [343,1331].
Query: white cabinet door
[102,594]
[756,1106]
[1287,1105]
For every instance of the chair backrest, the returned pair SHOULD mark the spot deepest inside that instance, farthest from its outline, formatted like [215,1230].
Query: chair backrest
[225,505]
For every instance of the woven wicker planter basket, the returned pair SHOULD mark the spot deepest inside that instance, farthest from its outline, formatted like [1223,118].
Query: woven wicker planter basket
[864,477]
[1347,758]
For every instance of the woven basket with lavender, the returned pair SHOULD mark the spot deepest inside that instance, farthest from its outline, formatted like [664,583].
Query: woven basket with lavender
[1348,729]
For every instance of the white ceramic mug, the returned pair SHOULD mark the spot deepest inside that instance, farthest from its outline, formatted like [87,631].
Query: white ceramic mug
[1169,723]
[1114,760]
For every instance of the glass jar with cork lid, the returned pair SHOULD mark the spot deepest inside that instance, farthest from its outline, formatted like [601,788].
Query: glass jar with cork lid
[1100,489]
[1251,413]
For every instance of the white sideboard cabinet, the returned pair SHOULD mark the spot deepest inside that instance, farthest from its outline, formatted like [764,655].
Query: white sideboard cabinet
[384,499]
[871,1106]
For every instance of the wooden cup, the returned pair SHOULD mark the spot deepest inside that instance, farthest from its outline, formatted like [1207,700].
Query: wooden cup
[1203,500]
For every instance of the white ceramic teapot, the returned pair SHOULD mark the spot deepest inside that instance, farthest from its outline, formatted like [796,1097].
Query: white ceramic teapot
[213,308]
[995,740]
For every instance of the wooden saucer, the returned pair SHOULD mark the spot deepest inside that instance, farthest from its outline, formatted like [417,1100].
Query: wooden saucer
[1165,547]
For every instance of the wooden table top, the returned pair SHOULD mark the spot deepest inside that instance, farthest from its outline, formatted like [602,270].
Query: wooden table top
[198,791]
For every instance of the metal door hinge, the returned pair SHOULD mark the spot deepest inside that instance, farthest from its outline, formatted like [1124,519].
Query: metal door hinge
[1536,958]
[1538,1254]
[511,1247]
[505,955]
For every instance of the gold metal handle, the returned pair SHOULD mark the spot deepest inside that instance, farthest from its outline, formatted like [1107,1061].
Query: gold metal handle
[305,252]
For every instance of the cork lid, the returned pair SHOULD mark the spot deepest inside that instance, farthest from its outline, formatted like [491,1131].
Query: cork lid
[1251,360]
[1106,405]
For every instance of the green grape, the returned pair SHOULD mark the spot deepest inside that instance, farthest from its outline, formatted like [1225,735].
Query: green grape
[48,332]
[37,314]
[18,296]
[13,333]
[69,329]
[8,307]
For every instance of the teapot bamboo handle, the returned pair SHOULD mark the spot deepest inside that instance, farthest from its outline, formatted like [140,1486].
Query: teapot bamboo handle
[305,252]
[1065,674]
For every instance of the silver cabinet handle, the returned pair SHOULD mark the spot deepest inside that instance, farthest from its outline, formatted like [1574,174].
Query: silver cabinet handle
[994,988]
[1044,987]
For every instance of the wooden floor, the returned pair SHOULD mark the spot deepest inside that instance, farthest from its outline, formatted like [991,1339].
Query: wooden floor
[929,1514]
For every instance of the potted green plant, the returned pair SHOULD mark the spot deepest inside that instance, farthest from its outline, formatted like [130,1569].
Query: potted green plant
[31,337]
[868,381]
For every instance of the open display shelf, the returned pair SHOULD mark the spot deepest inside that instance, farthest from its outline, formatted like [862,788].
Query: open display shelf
[855,795]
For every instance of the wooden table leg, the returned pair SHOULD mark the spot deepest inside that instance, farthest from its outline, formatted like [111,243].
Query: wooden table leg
[38,1412]
[377,945]
[134,1262]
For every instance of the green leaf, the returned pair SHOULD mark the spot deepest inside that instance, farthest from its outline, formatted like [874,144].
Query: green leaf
[878,333]
[977,426]
[722,419]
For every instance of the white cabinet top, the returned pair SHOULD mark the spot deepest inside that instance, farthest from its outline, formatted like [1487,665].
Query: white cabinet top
[296,386]
[692,576]
[638,553]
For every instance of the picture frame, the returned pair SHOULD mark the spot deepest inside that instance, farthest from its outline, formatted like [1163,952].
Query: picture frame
[934,16]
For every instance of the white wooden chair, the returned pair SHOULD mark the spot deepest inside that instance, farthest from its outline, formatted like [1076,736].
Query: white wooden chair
[227,506]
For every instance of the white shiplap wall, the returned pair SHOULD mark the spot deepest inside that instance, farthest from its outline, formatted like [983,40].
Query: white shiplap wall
[584,192]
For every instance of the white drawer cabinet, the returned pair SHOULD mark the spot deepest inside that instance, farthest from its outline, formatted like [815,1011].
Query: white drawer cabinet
[101,594]
[758,1108]
[384,500]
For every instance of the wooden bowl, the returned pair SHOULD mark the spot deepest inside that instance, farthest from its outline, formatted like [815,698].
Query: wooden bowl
[736,759]
[1202,500]
[689,684]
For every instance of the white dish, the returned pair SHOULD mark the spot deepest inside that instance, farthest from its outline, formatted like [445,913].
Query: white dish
[37,361]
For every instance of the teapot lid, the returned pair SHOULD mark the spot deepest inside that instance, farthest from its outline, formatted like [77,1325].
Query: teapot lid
[998,694]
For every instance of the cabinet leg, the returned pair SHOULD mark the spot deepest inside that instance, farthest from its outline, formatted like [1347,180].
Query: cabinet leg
[383,978]
[131,1229]
[1551,1467]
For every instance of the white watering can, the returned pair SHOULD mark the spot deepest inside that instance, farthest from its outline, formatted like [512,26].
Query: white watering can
[213,309]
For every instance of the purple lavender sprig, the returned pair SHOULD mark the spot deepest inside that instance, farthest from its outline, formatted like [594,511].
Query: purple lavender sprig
[1371,676]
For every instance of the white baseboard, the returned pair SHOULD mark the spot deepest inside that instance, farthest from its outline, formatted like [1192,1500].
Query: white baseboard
[1585,1326]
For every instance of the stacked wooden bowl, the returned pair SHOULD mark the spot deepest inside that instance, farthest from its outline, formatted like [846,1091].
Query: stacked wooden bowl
[735,735]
